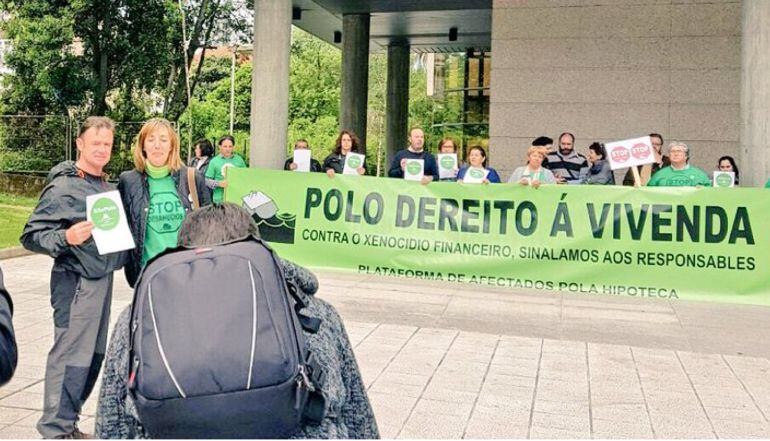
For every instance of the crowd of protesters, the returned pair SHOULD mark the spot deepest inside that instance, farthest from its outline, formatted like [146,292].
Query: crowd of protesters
[171,206]
[544,163]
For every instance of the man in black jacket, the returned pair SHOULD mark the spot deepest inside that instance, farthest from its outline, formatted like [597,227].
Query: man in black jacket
[81,278]
[302,144]
[8,356]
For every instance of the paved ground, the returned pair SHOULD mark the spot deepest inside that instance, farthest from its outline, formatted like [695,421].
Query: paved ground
[450,361]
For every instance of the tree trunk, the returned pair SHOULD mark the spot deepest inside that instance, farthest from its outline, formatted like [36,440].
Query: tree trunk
[101,67]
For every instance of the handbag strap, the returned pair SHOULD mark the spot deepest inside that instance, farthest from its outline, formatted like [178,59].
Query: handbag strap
[193,187]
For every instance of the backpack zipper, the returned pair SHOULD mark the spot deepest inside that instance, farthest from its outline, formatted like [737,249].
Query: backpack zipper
[303,382]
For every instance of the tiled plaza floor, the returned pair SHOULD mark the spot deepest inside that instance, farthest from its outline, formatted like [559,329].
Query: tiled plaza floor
[454,361]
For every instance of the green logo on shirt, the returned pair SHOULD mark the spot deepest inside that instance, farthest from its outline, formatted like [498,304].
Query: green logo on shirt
[105,214]
[165,213]
[413,168]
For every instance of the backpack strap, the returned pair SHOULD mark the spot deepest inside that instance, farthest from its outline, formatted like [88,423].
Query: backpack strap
[309,324]
[193,188]
[315,409]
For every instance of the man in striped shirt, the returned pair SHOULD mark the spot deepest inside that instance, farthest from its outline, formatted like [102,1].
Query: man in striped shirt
[567,165]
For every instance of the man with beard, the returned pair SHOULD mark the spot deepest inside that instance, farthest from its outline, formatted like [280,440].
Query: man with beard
[567,165]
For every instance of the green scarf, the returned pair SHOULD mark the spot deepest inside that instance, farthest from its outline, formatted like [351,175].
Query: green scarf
[156,172]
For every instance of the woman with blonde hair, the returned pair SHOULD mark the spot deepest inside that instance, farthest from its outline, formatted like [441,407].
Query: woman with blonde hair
[533,173]
[156,193]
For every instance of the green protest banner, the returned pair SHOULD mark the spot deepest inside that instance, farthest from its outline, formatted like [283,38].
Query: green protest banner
[673,243]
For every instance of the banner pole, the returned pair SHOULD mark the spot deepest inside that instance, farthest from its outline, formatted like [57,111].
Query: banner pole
[637,178]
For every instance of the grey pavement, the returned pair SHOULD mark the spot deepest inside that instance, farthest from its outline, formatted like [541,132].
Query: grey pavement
[442,360]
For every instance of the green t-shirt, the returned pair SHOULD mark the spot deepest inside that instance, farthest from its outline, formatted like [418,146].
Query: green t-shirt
[689,177]
[216,171]
[767,184]
[164,217]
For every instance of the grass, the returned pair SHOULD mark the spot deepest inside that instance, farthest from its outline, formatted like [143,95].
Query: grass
[14,212]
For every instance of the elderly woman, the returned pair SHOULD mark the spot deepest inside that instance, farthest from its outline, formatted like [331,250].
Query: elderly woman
[156,194]
[348,412]
[533,173]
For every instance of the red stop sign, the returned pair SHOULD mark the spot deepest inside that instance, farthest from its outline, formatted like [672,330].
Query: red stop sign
[640,150]
[620,154]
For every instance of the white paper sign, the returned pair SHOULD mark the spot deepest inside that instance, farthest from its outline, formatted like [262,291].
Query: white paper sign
[447,163]
[724,179]
[352,162]
[302,159]
[111,232]
[630,152]
[475,175]
[414,169]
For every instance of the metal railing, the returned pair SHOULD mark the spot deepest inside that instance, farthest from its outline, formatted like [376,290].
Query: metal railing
[32,144]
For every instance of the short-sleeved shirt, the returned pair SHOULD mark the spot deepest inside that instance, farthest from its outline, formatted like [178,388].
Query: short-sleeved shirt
[687,177]
[164,217]
[216,171]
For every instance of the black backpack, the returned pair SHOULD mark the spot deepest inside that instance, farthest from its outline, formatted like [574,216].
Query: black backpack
[217,349]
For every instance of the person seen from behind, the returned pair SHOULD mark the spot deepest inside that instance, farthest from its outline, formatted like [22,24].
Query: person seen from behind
[348,414]
[8,350]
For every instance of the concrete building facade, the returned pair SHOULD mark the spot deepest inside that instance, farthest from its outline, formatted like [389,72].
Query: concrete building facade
[608,70]
[692,70]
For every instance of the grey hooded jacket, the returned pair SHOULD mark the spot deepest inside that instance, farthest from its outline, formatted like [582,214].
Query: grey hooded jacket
[349,414]
[62,204]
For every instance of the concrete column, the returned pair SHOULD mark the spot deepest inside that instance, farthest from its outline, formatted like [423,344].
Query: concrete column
[270,83]
[755,93]
[397,104]
[355,74]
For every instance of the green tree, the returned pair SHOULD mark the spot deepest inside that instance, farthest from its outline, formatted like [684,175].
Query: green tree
[99,56]
[47,78]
